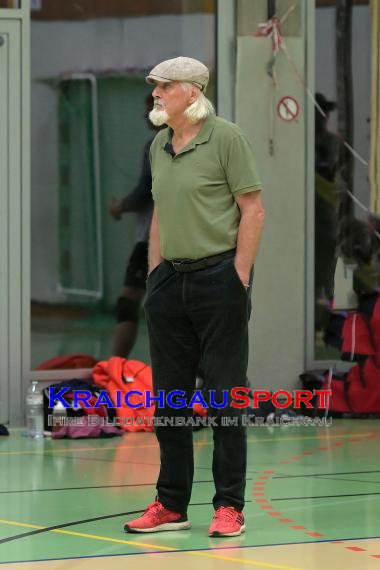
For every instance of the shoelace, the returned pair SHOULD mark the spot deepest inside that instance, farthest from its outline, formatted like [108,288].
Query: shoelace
[228,512]
[155,507]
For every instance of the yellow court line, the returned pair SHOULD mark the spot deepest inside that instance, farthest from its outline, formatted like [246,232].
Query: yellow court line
[109,539]
[196,444]
[155,546]
[92,536]
[26,525]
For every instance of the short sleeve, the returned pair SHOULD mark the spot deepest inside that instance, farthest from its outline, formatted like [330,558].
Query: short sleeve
[240,166]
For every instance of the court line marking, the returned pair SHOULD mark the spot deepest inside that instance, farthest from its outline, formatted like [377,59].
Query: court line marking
[321,474]
[15,537]
[311,437]
[283,519]
[324,449]
[70,450]
[244,561]
[324,497]
[171,548]
[94,487]
[347,480]
[147,545]
[196,444]
[160,547]
[84,535]
[241,547]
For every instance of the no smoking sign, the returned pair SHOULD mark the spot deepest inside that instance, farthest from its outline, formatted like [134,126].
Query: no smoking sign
[288,109]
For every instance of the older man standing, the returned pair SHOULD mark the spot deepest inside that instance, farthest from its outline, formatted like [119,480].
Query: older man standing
[204,239]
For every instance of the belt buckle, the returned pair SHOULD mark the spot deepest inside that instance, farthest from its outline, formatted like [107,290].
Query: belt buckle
[176,264]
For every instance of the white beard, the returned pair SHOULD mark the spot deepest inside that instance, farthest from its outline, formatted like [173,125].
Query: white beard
[158,118]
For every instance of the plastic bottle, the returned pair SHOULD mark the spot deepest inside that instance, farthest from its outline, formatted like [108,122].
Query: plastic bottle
[34,411]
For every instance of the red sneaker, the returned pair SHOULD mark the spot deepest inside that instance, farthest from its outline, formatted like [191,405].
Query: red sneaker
[156,518]
[227,521]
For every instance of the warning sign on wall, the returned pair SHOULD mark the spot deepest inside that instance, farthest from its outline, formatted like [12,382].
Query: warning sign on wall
[288,109]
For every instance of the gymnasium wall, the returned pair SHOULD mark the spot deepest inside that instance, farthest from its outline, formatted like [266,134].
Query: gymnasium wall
[95,45]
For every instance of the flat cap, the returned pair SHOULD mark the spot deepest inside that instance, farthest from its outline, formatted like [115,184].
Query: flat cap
[180,69]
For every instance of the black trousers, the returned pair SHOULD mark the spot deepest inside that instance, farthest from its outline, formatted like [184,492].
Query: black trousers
[199,317]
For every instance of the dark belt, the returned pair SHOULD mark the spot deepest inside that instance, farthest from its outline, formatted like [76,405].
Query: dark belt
[187,265]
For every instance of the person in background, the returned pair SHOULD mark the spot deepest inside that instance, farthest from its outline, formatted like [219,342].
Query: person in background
[326,164]
[139,201]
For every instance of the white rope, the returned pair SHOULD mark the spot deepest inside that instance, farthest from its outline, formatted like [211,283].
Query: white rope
[287,13]
[311,96]
[357,201]
[356,154]
[364,208]
[271,30]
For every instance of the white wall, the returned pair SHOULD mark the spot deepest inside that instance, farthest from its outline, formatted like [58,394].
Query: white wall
[277,326]
[59,47]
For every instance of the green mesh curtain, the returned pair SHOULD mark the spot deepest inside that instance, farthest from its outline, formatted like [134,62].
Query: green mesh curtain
[76,187]
[122,134]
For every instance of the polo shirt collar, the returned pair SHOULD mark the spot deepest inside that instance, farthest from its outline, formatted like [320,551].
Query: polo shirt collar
[202,137]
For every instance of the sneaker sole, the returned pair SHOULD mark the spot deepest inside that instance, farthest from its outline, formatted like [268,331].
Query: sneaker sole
[222,535]
[160,528]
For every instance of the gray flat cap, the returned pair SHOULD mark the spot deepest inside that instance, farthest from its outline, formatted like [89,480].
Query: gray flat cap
[180,69]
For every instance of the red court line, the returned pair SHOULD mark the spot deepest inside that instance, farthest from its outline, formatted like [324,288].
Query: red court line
[268,508]
[356,548]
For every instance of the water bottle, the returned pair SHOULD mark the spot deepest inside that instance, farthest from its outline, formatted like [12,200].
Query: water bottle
[34,411]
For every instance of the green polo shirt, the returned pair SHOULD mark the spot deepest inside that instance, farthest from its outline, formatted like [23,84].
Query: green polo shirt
[194,191]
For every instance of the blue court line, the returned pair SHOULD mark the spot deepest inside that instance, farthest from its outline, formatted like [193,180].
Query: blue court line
[193,550]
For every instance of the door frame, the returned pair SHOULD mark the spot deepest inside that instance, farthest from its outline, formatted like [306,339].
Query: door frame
[17,268]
